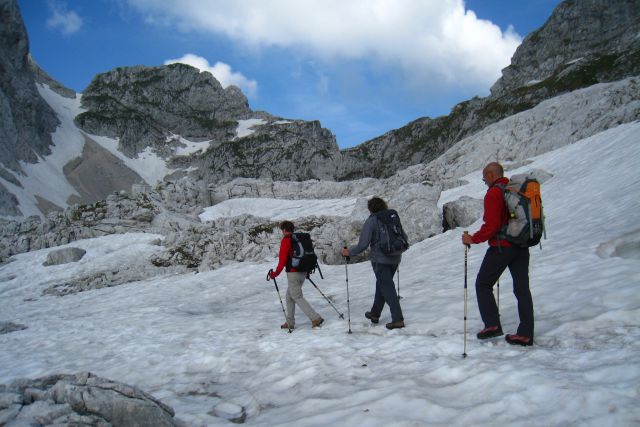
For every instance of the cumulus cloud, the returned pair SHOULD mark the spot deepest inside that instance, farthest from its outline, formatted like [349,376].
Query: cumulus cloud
[67,22]
[221,71]
[437,39]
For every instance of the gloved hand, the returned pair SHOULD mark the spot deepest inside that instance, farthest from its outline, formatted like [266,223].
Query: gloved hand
[272,274]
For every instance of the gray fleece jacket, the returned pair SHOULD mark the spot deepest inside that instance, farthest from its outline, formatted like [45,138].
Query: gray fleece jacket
[369,236]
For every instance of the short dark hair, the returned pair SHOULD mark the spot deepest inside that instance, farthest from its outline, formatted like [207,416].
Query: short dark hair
[376,204]
[287,226]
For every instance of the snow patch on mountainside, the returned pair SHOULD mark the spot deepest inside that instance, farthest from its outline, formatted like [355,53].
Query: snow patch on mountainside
[281,209]
[46,178]
[245,127]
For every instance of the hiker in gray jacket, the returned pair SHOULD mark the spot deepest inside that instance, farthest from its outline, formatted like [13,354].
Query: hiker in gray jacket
[384,267]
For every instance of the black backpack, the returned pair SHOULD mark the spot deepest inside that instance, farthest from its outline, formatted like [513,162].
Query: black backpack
[392,238]
[304,258]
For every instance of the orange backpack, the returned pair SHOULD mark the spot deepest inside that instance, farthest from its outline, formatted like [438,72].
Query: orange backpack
[526,218]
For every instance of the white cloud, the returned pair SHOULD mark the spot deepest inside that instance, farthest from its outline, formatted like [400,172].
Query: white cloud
[221,71]
[437,39]
[67,22]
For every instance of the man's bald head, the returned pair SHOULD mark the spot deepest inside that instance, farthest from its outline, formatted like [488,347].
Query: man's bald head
[495,168]
[492,172]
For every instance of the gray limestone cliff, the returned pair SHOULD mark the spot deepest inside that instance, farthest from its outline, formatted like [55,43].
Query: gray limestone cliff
[26,120]
[280,149]
[144,106]
[149,106]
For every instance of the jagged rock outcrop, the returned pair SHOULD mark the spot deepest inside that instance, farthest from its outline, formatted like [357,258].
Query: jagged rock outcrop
[119,213]
[64,256]
[582,43]
[279,149]
[461,213]
[143,106]
[26,121]
[82,399]
[43,78]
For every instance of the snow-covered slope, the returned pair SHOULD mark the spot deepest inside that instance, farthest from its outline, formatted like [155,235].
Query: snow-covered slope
[210,345]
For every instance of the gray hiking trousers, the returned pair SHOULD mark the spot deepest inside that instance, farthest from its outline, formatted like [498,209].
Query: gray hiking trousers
[294,296]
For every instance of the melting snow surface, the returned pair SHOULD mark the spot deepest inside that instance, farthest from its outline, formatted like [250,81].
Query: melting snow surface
[210,346]
[279,209]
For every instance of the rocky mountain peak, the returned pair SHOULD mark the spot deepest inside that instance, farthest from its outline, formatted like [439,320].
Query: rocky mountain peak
[577,33]
[143,105]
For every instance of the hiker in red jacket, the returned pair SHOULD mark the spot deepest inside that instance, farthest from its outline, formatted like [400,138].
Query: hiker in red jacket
[500,255]
[295,279]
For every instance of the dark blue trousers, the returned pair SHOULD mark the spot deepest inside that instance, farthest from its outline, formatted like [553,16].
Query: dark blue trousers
[495,261]
[386,291]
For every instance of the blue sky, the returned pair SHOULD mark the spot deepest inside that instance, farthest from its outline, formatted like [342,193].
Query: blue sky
[361,67]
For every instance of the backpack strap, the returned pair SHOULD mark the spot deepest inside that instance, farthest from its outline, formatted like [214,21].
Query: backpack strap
[502,233]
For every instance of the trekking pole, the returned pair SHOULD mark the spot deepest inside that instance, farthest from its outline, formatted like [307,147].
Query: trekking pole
[340,315]
[279,297]
[466,250]
[498,297]
[346,272]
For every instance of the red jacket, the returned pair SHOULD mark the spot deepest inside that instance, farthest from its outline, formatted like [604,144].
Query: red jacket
[286,253]
[495,216]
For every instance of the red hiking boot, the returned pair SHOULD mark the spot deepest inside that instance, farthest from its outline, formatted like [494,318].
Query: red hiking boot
[518,340]
[489,332]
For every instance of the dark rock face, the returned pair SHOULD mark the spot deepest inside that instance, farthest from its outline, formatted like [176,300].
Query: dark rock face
[582,43]
[144,105]
[26,120]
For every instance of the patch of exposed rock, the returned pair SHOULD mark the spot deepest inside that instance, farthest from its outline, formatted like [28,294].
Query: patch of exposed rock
[8,327]
[64,256]
[461,213]
[82,399]
[119,213]
[96,173]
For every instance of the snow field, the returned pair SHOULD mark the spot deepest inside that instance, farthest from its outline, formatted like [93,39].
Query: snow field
[209,344]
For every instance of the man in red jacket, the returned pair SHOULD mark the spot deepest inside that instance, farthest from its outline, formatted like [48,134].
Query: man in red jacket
[500,255]
[295,279]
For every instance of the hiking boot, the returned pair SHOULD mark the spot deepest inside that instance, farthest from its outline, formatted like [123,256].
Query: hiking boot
[395,325]
[317,322]
[518,340]
[490,332]
[285,325]
[372,317]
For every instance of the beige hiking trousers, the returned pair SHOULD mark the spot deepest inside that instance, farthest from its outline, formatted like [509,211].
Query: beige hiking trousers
[294,296]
